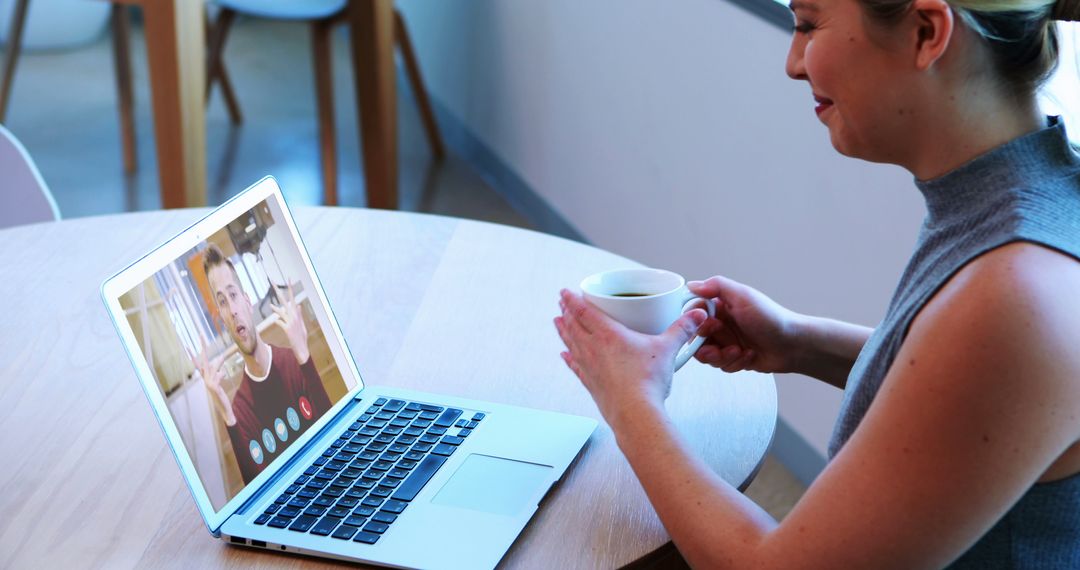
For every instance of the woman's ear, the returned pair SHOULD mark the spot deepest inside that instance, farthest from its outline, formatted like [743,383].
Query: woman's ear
[934,27]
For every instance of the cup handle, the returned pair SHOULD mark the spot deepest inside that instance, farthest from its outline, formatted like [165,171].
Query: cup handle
[691,347]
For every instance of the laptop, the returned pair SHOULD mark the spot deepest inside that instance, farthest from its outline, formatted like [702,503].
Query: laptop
[282,444]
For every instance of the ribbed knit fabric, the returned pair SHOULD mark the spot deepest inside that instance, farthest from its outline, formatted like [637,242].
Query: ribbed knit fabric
[1026,190]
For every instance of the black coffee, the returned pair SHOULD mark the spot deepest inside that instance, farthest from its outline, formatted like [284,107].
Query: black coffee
[631,295]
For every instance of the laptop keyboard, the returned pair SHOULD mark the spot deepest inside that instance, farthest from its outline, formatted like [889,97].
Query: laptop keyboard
[368,476]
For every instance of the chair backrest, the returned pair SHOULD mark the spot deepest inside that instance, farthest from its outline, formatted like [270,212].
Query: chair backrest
[24,197]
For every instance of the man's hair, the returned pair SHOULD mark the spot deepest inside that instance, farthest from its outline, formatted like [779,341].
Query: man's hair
[214,257]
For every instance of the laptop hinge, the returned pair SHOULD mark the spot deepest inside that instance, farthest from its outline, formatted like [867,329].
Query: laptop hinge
[288,466]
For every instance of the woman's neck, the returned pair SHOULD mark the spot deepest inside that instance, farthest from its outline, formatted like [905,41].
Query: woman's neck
[971,125]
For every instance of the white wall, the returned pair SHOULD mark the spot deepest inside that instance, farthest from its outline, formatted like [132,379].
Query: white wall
[669,133]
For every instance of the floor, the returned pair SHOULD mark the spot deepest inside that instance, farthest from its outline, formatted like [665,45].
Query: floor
[73,135]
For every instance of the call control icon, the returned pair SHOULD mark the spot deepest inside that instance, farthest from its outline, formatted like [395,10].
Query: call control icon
[293,419]
[268,441]
[256,452]
[281,430]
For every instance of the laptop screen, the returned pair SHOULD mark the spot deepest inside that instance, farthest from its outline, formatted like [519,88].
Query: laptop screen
[236,338]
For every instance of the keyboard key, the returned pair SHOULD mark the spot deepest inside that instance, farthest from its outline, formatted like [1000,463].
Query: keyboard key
[373,474]
[448,418]
[352,448]
[464,433]
[262,519]
[303,524]
[376,424]
[320,461]
[407,414]
[397,473]
[377,447]
[380,401]
[335,465]
[334,492]
[388,482]
[414,455]
[384,438]
[429,438]
[273,508]
[281,500]
[338,443]
[324,502]
[381,491]
[363,511]
[443,449]
[422,447]
[328,453]
[355,493]
[461,423]
[300,481]
[356,520]
[343,482]
[368,456]
[314,511]
[324,475]
[289,512]
[384,415]
[318,483]
[382,465]
[311,470]
[472,424]
[307,493]
[348,502]
[384,517]
[478,416]
[297,502]
[430,408]
[340,512]
[419,477]
[451,440]
[356,425]
[394,405]
[437,431]
[391,455]
[425,417]
[394,506]
[376,527]
[374,409]
[413,432]
[406,440]
[366,537]
[373,502]
[345,532]
[325,526]
[406,463]
[368,432]
[400,423]
[364,484]
[280,522]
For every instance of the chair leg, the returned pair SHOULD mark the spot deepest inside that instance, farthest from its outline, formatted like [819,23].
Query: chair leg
[121,35]
[412,68]
[324,96]
[18,20]
[215,67]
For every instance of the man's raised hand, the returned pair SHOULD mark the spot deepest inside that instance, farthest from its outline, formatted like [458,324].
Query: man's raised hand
[291,322]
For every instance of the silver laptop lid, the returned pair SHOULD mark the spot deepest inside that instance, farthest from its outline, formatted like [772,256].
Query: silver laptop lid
[235,345]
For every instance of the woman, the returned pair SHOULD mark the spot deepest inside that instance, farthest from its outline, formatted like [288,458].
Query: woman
[957,442]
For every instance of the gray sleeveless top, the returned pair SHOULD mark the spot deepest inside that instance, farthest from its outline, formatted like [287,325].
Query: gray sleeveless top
[1026,190]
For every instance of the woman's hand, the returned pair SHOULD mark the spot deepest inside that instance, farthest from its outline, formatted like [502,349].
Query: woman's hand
[750,330]
[620,367]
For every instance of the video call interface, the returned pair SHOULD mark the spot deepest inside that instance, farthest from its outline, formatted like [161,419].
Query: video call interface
[232,331]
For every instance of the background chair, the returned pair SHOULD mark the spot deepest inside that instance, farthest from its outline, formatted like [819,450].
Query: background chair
[322,15]
[24,197]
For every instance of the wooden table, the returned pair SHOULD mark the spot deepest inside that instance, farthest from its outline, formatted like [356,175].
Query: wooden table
[425,302]
[176,52]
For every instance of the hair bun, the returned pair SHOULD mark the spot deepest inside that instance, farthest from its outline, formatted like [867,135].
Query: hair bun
[1068,10]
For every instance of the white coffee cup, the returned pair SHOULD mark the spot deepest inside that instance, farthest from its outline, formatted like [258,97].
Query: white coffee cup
[645,300]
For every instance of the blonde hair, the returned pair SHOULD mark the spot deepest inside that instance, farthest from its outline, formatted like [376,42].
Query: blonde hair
[1021,34]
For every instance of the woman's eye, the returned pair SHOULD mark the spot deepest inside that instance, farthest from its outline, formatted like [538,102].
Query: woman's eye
[804,28]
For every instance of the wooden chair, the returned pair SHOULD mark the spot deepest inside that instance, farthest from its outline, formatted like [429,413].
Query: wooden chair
[24,197]
[322,15]
[121,32]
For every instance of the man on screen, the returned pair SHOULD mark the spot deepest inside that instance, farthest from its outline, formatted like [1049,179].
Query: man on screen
[281,393]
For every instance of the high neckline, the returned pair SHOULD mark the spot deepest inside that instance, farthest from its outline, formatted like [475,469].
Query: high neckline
[1003,167]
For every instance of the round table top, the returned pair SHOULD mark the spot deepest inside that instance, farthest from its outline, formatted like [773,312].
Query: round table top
[425,302]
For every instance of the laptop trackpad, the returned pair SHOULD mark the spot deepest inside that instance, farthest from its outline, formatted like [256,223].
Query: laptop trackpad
[495,485]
